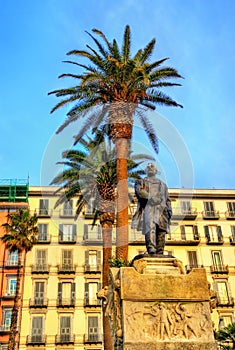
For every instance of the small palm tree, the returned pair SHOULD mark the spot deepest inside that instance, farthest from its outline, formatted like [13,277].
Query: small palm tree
[227,334]
[110,89]
[91,174]
[20,236]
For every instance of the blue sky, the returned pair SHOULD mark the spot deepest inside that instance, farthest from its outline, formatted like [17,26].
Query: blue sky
[197,36]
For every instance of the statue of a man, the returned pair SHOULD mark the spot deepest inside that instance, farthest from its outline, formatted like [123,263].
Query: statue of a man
[154,210]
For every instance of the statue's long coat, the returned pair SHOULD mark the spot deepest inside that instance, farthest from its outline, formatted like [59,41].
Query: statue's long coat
[154,206]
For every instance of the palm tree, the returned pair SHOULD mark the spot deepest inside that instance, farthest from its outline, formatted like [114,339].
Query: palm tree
[227,334]
[110,89]
[20,236]
[90,173]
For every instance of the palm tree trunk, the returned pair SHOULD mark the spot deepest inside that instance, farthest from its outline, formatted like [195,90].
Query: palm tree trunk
[122,151]
[13,344]
[107,254]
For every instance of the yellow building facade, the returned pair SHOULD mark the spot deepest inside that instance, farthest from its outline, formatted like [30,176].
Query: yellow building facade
[63,272]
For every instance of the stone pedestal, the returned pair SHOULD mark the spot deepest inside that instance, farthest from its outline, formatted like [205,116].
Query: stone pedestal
[153,305]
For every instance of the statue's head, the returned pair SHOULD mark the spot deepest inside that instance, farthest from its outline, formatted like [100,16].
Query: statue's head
[151,169]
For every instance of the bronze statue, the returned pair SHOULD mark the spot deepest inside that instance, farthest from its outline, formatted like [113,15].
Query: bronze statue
[153,211]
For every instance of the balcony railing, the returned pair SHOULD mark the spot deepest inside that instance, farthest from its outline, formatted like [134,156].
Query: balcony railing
[5,328]
[219,268]
[188,268]
[40,268]
[38,302]
[43,212]
[66,302]
[11,263]
[93,237]
[214,240]
[225,301]
[66,268]
[67,239]
[64,339]
[230,214]
[189,214]
[210,214]
[38,339]
[93,338]
[182,239]
[92,268]
[232,239]
[91,301]
[44,238]
[67,213]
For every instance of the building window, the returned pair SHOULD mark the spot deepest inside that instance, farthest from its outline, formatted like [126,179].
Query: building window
[67,233]
[223,294]
[42,232]
[231,208]
[12,259]
[91,289]
[39,293]
[217,259]
[213,233]
[92,232]
[93,328]
[41,259]
[68,208]
[6,319]
[209,209]
[233,233]
[92,260]
[67,258]
[43,206]
[37,329]
[186,207]
[192,259]
[225,320]
[11,286]
[189,232]
[66,294]
[65,328]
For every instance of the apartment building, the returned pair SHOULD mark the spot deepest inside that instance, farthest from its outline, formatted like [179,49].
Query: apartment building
[13,195]
[63,271]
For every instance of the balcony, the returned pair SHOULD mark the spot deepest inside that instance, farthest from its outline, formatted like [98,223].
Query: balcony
[230,215]
[67,213]
[38,339]
[92,302]
[219,269]
[44,213]
[229,301]
[188,268]
[67,239]
[182,239]
[64,339]
[38,302]
[210,215]
[93,338]
[215,240]
[40,268]
[9,295]
[44,238]
[66,269]
[65,302]
[5,329]
[180,214]
[92,268]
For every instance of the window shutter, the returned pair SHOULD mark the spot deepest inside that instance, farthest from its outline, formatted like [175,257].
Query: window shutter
[85,231]
[99,232]
[60,292]
[219,233]
[61,232]
[192,258]
[182,229]
[207,234]
[195,232]
[73,286]
[74,231]
[87,257]
[98,257]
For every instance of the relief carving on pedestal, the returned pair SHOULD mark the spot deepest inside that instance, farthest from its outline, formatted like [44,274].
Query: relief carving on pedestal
[169,321]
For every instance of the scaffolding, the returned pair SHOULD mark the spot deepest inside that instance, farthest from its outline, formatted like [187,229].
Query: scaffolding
[14,190]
